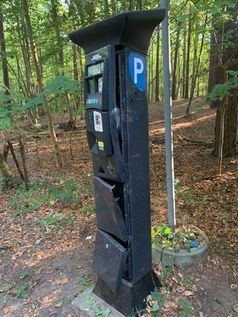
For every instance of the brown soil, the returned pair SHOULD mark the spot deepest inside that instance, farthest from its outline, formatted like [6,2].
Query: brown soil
[56,265]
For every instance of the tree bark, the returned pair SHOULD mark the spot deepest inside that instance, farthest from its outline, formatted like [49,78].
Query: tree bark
[15,160]
[230,128]
[24,164]
[196,71]
[5,171]
[157,66]
[56,24]
[53,136]
[184,64]
[6,81]
[174,77]
[188,53]
[227,60]
[106,8]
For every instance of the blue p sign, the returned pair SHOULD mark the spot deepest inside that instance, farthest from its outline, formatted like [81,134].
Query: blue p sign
[137,70]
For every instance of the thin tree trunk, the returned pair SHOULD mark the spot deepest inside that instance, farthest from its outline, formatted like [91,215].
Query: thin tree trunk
[139,5]
[184,64]
[5,171]
[157,66]
[174,77]
[188,53]
[54,140]
[15,160]
[56,24]
[195,75]
[152,72]
[221,136]
[24,164]
[114,9]
[6,81]
[106,8]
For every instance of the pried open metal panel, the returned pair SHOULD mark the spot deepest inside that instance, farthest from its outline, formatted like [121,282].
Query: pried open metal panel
[109,259]
[109,214]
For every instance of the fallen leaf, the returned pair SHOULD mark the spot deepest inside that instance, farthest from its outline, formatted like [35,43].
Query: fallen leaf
[188,293]
[6,310]
[40,254]
[59,304]
[62,281]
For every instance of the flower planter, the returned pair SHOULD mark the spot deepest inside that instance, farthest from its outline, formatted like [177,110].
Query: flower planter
[180,257]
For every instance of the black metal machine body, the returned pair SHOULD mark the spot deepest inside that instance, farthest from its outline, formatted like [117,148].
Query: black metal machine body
[117,130]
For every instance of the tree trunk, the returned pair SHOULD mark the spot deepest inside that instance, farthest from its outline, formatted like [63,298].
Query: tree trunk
[106,8]
[54,140]
[24,164]
[174,77]
[188,53]
[227,60]
[152,72]
[6,82]
[196,72]
[230,128]
[114,8]
[56,26]
[139,5]
[215,74]
[5,171]
[184,64]
[157,66]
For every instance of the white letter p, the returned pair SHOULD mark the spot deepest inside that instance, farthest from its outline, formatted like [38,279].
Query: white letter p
[138,68]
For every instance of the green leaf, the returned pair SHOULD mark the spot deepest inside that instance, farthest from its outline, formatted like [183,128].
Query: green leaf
[22,290]
[36,101]
[50,220]
[155,308]
[186,307]
[5,123]
[61,85]
[167,231]
[155,296]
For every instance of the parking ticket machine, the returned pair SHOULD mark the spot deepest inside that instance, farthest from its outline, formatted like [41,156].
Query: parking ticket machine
[116,118]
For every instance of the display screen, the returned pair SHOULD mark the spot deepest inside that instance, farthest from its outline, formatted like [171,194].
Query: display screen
[95,69]
[100,82]
[91,87]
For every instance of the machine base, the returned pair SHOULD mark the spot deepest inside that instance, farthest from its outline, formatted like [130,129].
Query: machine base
[129,299]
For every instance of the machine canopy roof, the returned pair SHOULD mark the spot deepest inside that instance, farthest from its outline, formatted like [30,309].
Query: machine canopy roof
[131,29]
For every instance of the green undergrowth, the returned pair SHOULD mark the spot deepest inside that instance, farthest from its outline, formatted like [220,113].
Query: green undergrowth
[157,298]
[47,194]
[183,238]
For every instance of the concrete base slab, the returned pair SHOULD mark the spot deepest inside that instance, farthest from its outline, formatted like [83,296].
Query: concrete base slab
[88,304]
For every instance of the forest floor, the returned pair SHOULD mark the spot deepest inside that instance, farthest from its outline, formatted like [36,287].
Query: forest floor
[46,249]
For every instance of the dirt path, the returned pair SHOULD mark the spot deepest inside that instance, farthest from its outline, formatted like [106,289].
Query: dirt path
[42,269]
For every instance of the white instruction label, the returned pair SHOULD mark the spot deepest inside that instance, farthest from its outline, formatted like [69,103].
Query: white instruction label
[97,118]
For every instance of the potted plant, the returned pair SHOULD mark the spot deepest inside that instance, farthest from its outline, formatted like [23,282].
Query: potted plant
[185,246]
